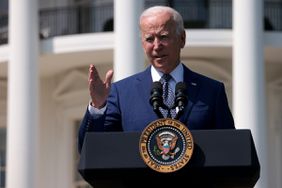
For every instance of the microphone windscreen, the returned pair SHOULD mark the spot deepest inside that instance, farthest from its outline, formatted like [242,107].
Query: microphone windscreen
[180,86]
[157,86]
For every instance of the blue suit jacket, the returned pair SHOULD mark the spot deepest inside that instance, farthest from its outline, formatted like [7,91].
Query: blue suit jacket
[128,107]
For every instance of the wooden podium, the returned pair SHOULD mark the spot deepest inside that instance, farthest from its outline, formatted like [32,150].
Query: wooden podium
[221,158]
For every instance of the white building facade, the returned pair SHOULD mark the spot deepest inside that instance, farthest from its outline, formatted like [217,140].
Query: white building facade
[44,88]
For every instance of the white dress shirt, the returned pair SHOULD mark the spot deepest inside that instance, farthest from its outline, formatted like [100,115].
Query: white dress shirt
[177,75]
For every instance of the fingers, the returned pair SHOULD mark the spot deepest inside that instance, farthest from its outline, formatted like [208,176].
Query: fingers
[108,78]
[99,90]
[94,78]
[93,74]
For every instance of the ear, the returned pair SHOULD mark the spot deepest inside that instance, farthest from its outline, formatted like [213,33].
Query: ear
[183,39]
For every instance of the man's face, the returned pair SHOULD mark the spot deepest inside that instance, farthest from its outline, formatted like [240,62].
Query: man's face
[160,42]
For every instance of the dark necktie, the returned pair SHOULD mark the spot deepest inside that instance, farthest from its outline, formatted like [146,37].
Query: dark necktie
[168,96]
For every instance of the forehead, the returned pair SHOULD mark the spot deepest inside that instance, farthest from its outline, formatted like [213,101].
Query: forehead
[157,23]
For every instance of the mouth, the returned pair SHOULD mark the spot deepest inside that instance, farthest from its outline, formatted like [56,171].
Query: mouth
[159,57]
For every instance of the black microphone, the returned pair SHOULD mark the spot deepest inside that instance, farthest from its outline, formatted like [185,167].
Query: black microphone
[181,98]
[156,99]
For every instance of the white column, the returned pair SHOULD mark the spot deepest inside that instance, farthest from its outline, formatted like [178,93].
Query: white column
[22,94]
[248,76]
[128,53]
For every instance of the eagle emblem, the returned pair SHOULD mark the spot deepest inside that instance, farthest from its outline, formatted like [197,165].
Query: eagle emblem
[166,145]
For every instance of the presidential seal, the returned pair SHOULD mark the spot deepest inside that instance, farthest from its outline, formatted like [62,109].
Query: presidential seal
[166,145]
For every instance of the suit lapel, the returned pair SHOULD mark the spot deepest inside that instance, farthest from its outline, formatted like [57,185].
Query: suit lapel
[144,85]
[193,86]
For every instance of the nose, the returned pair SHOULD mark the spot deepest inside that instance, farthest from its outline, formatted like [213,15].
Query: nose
[157,44]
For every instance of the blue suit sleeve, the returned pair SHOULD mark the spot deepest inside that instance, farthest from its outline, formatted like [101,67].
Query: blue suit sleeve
[109,121]
[89,123]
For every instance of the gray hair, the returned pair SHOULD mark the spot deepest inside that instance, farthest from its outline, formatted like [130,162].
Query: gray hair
[175,16]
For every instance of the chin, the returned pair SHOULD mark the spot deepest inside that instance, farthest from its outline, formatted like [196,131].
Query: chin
[160,63]
[162,68]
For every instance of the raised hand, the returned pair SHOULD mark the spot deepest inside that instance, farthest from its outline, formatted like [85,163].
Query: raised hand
[99,90]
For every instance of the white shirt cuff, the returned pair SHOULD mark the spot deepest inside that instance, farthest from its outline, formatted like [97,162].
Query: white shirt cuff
[95,111]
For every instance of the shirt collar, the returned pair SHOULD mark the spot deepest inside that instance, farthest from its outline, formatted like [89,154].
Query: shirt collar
[177,74]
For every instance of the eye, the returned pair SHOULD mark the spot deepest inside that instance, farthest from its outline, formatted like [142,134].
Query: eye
[163,37]
[149,39]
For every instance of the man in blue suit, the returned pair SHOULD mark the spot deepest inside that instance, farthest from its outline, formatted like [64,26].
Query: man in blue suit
[125,106]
